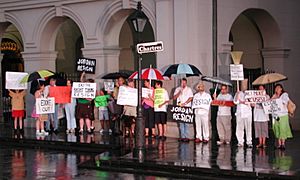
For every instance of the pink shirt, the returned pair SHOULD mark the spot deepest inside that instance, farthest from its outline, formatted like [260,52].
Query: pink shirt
[148,101]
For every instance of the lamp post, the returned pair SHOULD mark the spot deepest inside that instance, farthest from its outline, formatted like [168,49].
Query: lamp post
[139,20]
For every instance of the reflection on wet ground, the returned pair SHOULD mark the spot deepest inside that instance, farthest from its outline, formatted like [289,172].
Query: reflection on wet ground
[106,152]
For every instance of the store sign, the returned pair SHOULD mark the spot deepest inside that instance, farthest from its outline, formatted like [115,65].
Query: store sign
[149,47]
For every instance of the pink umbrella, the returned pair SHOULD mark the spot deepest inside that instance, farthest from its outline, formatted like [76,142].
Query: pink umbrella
[148,73]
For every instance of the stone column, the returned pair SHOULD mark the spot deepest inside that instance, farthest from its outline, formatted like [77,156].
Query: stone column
[274,59]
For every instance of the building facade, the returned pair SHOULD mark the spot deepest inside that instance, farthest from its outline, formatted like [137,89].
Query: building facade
[52,34]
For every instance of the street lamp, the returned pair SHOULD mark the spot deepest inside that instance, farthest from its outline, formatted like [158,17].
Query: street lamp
[139,20]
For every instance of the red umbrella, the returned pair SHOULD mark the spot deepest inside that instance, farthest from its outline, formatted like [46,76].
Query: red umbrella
[148,73]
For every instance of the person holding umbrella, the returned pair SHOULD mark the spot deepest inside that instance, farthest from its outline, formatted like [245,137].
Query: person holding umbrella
[184,96]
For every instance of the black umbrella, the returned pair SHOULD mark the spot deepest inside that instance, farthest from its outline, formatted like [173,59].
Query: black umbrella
[116,75]
[184,69]
[35,85]
[217,80]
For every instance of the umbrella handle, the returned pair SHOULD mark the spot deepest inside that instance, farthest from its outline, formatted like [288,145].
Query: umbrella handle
[216,88]
[238,85]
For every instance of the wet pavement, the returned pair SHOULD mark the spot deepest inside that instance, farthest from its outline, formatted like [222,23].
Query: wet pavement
[106,156]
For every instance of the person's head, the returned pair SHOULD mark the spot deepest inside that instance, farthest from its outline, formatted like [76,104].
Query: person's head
[261,87]
[224,89]
[201,87]
[158,84]
[52,82]
[121,81]
[69,82]
[102,92]
[41,87]
[279,89]
[91,80]
[130,83]
[183,82]
[147,83]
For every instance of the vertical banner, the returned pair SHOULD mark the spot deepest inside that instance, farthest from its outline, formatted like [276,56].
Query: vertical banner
[127,96]
[109,86]
[83,90]
[236,72]
[86,65]
[13,79]
[62,94]
[45,105]
[159,97]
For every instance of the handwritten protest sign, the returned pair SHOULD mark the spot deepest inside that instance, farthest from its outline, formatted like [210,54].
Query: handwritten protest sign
[203,103]
[83,90]
[13,80]
[146,92]
[182,114]
[255,96]
[159,97]
[236,72]
[86,65]
[127,96]
[45,105]
[109,86]
[272,106]
[62,94]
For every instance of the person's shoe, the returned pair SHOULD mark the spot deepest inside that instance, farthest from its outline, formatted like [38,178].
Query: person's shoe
[56,131]
[44,133]
[38,133]
[89,131]
[180,139]
[109,131]
[219,143]
[197,140]
[68,131]
[72,130]
[205,141]
[259,146]
[240,145]
[186,139]
[81,131]
[249,146]
[227,142]
[282,147]
[92,129]
[101,131]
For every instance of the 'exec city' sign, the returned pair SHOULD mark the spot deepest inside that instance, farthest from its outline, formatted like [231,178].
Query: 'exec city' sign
[149,47]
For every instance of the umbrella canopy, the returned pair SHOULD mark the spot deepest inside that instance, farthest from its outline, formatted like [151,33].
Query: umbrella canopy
[116,75]
[148,73]
[217,80]
[37,75]
[184,69]
[35,84]
[269,78]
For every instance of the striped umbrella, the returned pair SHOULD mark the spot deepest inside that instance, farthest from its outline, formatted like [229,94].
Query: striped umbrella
[182,69]
[148,73]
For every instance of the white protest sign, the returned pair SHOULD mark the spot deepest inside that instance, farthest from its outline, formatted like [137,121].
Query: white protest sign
[255,96]
[201,102]
[127,96]
[45,105]
[146,92]
[272,106]
[109,86]
[83,90]
[236,72]
[13,80]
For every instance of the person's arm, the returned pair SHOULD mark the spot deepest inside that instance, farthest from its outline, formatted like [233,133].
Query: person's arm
[11,93]
[187,101]
[176,95]
[82,77]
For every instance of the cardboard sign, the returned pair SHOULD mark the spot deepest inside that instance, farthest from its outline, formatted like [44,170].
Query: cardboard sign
[236,72]
[272,106]
[159,97]
[127,96]
[62,94]
[146,92]
[45,105]
[255,96]
[86,65]
[13,80]
[109,86]
[181,114]
[83,90]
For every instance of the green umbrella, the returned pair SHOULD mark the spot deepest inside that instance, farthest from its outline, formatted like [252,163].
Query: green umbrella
[37,75]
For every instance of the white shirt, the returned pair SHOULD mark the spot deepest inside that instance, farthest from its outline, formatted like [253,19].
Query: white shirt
[259,113]
[242,109]
[285,99]
[224,110]
[201,102]
[185,94]
[164,107]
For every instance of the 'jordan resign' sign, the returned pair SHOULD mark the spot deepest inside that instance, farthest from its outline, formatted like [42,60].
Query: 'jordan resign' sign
[86,65]
[181,114]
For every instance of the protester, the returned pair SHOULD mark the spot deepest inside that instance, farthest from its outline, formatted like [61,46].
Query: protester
[160,109]
[281,126]
[224,116]
[201,105]
[115,109]
[184,96]
[261,121]
[101,103]
[243,116]
[130,112]
[17,106]
[70,112]
[148,104]
[40,119]
[53,117]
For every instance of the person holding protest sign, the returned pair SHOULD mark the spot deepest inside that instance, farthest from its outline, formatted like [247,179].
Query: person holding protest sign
[115,109]
[281,126]
[17,106]
[243,116]
[161,99]
[149,110]
[224,116]
[70,112]
[261,121]
[201,105]
[53,117]
[184,96]
[101,103]
[40,119]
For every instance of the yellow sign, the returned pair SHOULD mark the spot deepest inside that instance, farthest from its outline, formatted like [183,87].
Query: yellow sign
[159,97]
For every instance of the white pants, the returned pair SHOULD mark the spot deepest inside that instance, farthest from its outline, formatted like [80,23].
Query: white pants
[202,126]
[70,115]
[242,124]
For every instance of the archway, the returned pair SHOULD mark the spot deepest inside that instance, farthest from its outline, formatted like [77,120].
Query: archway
[252,31]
